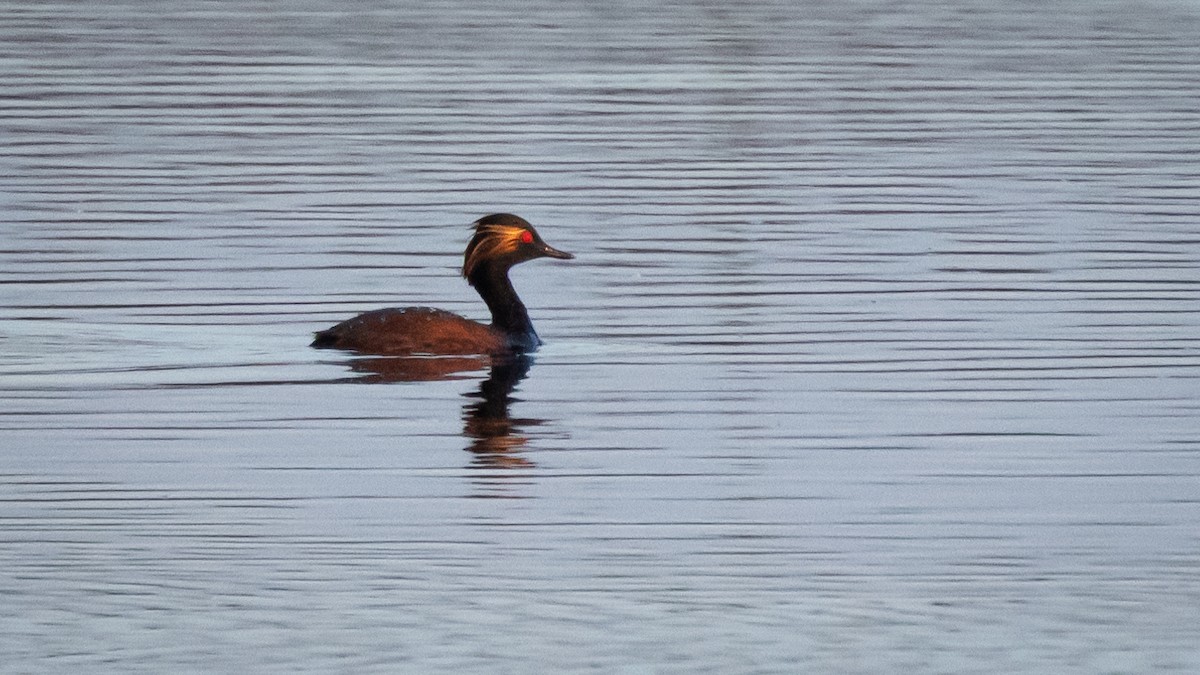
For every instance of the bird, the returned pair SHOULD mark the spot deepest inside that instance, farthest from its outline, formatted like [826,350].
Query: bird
[500,241]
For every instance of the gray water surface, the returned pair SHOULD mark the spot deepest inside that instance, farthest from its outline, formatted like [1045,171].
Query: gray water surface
[881,349]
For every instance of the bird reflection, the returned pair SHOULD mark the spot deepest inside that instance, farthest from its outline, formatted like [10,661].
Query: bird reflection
[496,438]
[417,368]
[493,436]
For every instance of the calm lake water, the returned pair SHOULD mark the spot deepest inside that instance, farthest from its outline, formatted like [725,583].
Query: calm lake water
[881,349]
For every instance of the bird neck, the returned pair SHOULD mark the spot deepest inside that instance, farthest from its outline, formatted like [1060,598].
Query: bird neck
[508,312]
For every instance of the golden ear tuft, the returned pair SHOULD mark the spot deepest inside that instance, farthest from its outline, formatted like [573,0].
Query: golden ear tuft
[491,241]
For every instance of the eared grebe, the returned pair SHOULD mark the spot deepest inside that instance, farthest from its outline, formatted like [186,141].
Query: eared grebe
[501,240]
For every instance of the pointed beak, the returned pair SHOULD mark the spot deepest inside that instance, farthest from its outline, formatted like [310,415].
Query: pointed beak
[551,252]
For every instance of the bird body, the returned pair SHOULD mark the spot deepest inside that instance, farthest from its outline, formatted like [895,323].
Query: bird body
[500,241]
[411,330]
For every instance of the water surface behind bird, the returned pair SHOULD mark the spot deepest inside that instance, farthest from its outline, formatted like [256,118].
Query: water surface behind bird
[880,348]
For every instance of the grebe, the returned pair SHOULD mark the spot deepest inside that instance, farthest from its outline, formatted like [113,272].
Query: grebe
[501,240]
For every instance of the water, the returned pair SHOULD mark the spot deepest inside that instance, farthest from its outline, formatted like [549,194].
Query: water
[880,350]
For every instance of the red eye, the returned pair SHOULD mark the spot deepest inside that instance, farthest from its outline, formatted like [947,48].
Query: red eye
[526,237]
